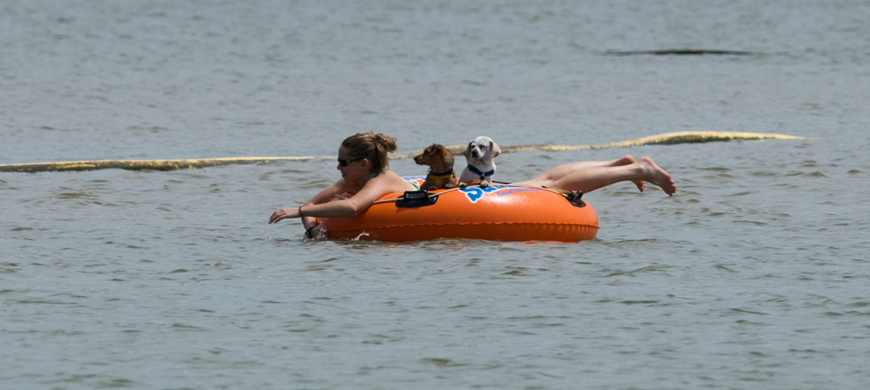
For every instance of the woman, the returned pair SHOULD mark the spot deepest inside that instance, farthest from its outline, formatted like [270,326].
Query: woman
[365,177]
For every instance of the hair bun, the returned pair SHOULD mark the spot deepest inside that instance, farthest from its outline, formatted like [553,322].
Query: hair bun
[373,146]
[385,142]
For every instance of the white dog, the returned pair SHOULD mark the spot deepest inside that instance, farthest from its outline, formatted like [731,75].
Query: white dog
[480,154]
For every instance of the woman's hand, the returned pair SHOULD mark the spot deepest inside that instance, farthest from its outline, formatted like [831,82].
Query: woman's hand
[284,214]
[317,231]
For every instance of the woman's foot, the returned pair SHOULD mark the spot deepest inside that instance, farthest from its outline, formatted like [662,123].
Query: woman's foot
[653,174]
[628,160]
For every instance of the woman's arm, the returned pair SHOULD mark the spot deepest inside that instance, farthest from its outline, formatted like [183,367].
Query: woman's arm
[322,206]
[324,196]
[361,201]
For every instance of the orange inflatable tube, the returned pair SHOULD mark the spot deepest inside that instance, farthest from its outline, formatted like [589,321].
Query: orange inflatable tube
[499,212]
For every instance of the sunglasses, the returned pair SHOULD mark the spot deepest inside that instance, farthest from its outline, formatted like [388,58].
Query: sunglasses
[344,162]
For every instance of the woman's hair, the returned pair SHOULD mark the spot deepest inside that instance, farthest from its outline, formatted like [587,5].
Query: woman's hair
[373,146]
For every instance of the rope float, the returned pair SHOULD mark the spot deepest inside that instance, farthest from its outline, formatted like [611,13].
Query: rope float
[681,52]
[679,137]
[134,165]
[175,164]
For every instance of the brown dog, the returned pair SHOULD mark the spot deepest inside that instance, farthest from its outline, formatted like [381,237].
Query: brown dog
[440,162]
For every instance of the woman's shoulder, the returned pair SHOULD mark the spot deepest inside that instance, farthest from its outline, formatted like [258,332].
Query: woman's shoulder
[394,181]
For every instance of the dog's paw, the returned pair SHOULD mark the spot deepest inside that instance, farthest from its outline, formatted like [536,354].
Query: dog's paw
[484,184]
[462,184]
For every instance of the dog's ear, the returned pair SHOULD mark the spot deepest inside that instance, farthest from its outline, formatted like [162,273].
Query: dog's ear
[467,151]
[494,148]
[447,156]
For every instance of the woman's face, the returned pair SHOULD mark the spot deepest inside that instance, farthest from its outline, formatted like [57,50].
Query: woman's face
[351,169]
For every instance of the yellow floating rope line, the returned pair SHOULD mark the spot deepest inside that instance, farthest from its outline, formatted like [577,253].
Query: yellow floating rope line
[156,165]
[680,137]
[170,165]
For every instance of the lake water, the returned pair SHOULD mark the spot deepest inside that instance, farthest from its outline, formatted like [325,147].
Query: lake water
[754,276]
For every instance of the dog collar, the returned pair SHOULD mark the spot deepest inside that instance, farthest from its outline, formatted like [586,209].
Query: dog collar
[436,176]
[480,173]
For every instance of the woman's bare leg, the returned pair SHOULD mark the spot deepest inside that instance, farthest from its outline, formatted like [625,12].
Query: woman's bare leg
[554,174]
[587,177]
